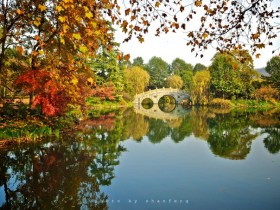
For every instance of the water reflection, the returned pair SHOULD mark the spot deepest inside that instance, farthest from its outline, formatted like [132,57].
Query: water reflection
[228,133]
[64,174]
[70,172]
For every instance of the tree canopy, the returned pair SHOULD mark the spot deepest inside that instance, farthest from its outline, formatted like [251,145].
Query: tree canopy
[174,81]
[231,74]
[158,70]
[273,68]
[136,80]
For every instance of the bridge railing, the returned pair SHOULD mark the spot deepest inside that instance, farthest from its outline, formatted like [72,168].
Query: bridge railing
[160,90]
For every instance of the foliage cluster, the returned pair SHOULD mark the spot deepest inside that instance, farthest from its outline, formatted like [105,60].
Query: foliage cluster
[220,102]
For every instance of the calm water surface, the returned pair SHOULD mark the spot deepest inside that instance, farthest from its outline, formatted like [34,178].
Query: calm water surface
[197,159]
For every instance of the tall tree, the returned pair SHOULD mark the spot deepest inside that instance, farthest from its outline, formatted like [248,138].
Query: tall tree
[184,70]
[174,81]
[138,61]
[231,74]
[137,79]
[106,68]
[178,66]
[158,70]
[273,68]
[200,88]
[198,67]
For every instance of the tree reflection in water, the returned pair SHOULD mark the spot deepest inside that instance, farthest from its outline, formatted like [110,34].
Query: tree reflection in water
[229,133]
[69,172]
[64,174]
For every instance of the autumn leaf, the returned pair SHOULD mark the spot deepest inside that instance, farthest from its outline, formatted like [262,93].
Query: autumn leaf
[140,39]
[205,35]
[182,9]
[42,7]
[65,28]
[124,26]
[90,80]
[127,11]
[20,50]
[89,15]
[198,3]
[255,36]
[34,53]
[190,34]
[74,81]
[37,22]
[126,57]
[37,38]
[136,28]
[118,56]
[20,12]
[62,41]
[157,4]
[77,36]
[62,19]
[260,46]
[59,8]
[83,49]
[93,24]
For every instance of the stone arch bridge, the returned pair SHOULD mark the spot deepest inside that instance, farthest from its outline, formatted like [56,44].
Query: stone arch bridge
[156,94]
[156,113]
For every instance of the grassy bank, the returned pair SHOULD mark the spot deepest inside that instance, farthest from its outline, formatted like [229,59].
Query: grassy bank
[245,104]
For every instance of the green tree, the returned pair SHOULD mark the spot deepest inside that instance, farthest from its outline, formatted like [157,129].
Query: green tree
[184,70]
[106,69]
[198,67]
[273,68]
[137,79]
[174,81]
[138,61]
[158,70]
[178,66]
[231,74]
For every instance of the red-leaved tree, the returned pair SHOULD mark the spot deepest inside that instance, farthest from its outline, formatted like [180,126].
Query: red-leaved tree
[52,98]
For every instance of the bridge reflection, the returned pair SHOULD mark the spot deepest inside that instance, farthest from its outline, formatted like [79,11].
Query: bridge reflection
[163,113]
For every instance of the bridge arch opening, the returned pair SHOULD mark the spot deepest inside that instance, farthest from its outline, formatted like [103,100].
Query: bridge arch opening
[147,103]
[167,103]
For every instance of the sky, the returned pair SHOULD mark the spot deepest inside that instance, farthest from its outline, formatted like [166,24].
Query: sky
[173,45]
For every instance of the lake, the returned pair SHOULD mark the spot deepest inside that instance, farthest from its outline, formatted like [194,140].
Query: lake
[197,158]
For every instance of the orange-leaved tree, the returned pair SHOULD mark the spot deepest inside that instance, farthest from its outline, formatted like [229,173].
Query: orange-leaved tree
[56,37]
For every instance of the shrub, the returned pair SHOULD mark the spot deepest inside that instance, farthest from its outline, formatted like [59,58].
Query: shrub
[266,93]
[219,102]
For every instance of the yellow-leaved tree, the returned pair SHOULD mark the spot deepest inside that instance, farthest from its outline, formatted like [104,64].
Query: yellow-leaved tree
[200,88]
[137,79]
